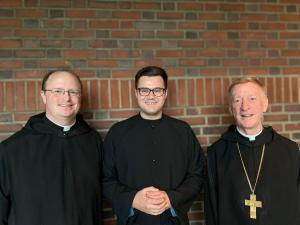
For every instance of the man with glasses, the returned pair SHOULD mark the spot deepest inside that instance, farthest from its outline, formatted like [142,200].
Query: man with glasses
[153,163]
[50,170]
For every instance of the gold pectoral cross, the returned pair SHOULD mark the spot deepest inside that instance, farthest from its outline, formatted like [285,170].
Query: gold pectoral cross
[253,204]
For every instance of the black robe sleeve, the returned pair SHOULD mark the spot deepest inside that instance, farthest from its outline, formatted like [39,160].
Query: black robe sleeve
[210,202]
[182,197]
[4,197]
[119,195]
[299,188]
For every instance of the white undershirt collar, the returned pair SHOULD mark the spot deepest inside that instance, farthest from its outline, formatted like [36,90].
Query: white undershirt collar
[251,137]
[65,128]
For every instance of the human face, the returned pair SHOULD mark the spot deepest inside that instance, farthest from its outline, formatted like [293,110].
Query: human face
[151,105]
[248,103]
[61,109]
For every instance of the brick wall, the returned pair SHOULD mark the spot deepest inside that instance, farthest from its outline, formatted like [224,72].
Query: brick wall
[203,45]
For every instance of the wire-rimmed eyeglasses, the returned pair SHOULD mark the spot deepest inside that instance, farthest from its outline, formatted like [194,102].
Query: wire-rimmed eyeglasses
[61,92]
[156,91]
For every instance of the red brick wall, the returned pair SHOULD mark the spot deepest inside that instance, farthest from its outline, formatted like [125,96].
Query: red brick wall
[202,44]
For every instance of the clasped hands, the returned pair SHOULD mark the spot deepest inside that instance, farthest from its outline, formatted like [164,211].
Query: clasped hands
[151,200]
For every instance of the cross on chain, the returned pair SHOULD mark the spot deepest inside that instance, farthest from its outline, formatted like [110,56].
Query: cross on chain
[253,204]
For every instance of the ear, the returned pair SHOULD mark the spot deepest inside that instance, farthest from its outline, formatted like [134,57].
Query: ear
[228,99]
[43,96]
[136,92]
[265,104]
[230,109]
[166,93]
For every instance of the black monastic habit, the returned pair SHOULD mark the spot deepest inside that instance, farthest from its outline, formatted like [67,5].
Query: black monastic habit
[51,177]
[277,188]
[163,153]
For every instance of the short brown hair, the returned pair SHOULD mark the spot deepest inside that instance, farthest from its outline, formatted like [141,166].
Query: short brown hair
[245,80]
[152,71]
[46,77]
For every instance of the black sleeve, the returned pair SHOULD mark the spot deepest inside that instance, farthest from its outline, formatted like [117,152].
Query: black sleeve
[299,187]
[119,195]
[4,196]
[295,148]
[100,152]
[182,197]
[210,200]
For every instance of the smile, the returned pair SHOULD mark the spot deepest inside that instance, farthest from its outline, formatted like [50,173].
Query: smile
[150,103]
[247,115]
[61,105]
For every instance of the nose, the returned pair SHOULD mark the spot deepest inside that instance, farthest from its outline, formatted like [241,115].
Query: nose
[151,94]
[245,104]
[66,95]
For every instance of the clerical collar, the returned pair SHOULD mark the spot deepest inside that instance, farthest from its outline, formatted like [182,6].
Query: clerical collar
[65,128]
[250,137]
[151,120]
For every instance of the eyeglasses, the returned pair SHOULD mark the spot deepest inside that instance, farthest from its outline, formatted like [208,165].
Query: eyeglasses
[61,92]
[156,91]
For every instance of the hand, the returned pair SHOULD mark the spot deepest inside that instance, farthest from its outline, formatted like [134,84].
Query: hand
[151,200]
[160,195]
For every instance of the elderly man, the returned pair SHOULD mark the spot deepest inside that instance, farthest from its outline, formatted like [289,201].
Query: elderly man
[253,172]
[50,170]
[153,163]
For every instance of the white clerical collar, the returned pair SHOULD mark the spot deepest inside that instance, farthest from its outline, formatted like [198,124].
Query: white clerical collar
[65,128]
[251,137]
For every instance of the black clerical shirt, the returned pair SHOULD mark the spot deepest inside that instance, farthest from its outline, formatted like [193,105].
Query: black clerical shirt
[163,153]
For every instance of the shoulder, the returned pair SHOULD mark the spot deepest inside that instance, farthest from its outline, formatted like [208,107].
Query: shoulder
[22,137]
[95,134]
[217,146]
[123,126]
[176,123]
[280,140]
[82,127]
[15,140]
[221,144]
